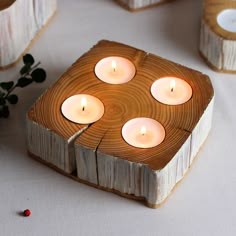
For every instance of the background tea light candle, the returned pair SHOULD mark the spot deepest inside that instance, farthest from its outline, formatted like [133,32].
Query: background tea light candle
[115,70]
[226,19]
[171,91]
[143,132]
[82,109]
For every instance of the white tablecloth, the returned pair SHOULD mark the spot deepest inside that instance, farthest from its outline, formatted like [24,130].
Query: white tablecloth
[204,202]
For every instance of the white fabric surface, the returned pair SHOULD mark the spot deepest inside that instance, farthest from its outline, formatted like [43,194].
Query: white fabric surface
[202,204]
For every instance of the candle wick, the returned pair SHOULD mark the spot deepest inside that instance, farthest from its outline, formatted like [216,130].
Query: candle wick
[172,85]
[83,108]
[114,69]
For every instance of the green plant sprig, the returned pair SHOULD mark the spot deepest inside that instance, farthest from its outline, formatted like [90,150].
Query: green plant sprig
[29,73]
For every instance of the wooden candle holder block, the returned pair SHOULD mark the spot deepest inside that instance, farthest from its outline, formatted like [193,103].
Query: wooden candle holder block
[137,5]
[217,43]
[97,155]
[20,23]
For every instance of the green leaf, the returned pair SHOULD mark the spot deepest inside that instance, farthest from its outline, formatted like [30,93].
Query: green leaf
[23,82]
[2,94]
[2,101]
[7,85]
[28,59]
[39,75]
[25,69]
[12,99]
[4,112]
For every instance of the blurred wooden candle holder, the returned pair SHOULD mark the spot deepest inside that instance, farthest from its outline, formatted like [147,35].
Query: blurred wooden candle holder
[97,154]
[218,35]
[20,23]
[137,5]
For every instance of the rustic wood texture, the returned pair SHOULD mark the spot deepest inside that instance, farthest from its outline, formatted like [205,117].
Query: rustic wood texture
[102,156]
[217,46]
[76,178]
[21,22]
[138,5]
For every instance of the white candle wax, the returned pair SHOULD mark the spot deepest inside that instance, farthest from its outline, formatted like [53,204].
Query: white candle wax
[143,132]
[82,109]
[171,91]
[226,19]
[115,70]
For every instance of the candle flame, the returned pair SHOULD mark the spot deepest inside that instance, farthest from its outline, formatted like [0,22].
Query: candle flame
[143,130]
[113,65]
[172,85]
[83,103]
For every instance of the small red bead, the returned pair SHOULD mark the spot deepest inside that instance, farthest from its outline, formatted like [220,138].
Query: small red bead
[27,212]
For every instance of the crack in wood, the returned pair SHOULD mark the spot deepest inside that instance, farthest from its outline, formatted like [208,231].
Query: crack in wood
[96,157]
[71,144]
[140,58]
[185,130]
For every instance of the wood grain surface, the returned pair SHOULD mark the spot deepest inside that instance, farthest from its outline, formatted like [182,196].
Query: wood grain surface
[124,102]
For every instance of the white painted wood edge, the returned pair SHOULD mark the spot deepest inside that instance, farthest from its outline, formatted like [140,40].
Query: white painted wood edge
[136,4]
[217,51]
[19,24]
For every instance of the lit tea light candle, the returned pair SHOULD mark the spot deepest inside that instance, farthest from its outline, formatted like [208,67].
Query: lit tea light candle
[171,91]
[82,109]
[143,132]
[226,19]
[115,70]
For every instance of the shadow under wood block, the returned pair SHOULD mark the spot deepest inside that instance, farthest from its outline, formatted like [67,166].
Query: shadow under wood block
[137,5]
[218,35]
[20,23]
[100,156]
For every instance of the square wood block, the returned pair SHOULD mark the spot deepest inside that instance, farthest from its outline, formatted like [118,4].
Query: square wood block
[99,156]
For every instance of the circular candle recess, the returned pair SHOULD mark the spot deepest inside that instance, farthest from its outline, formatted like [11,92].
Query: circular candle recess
[171,91]
[143,132]
[82,109]
[226,19]
[115,70]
